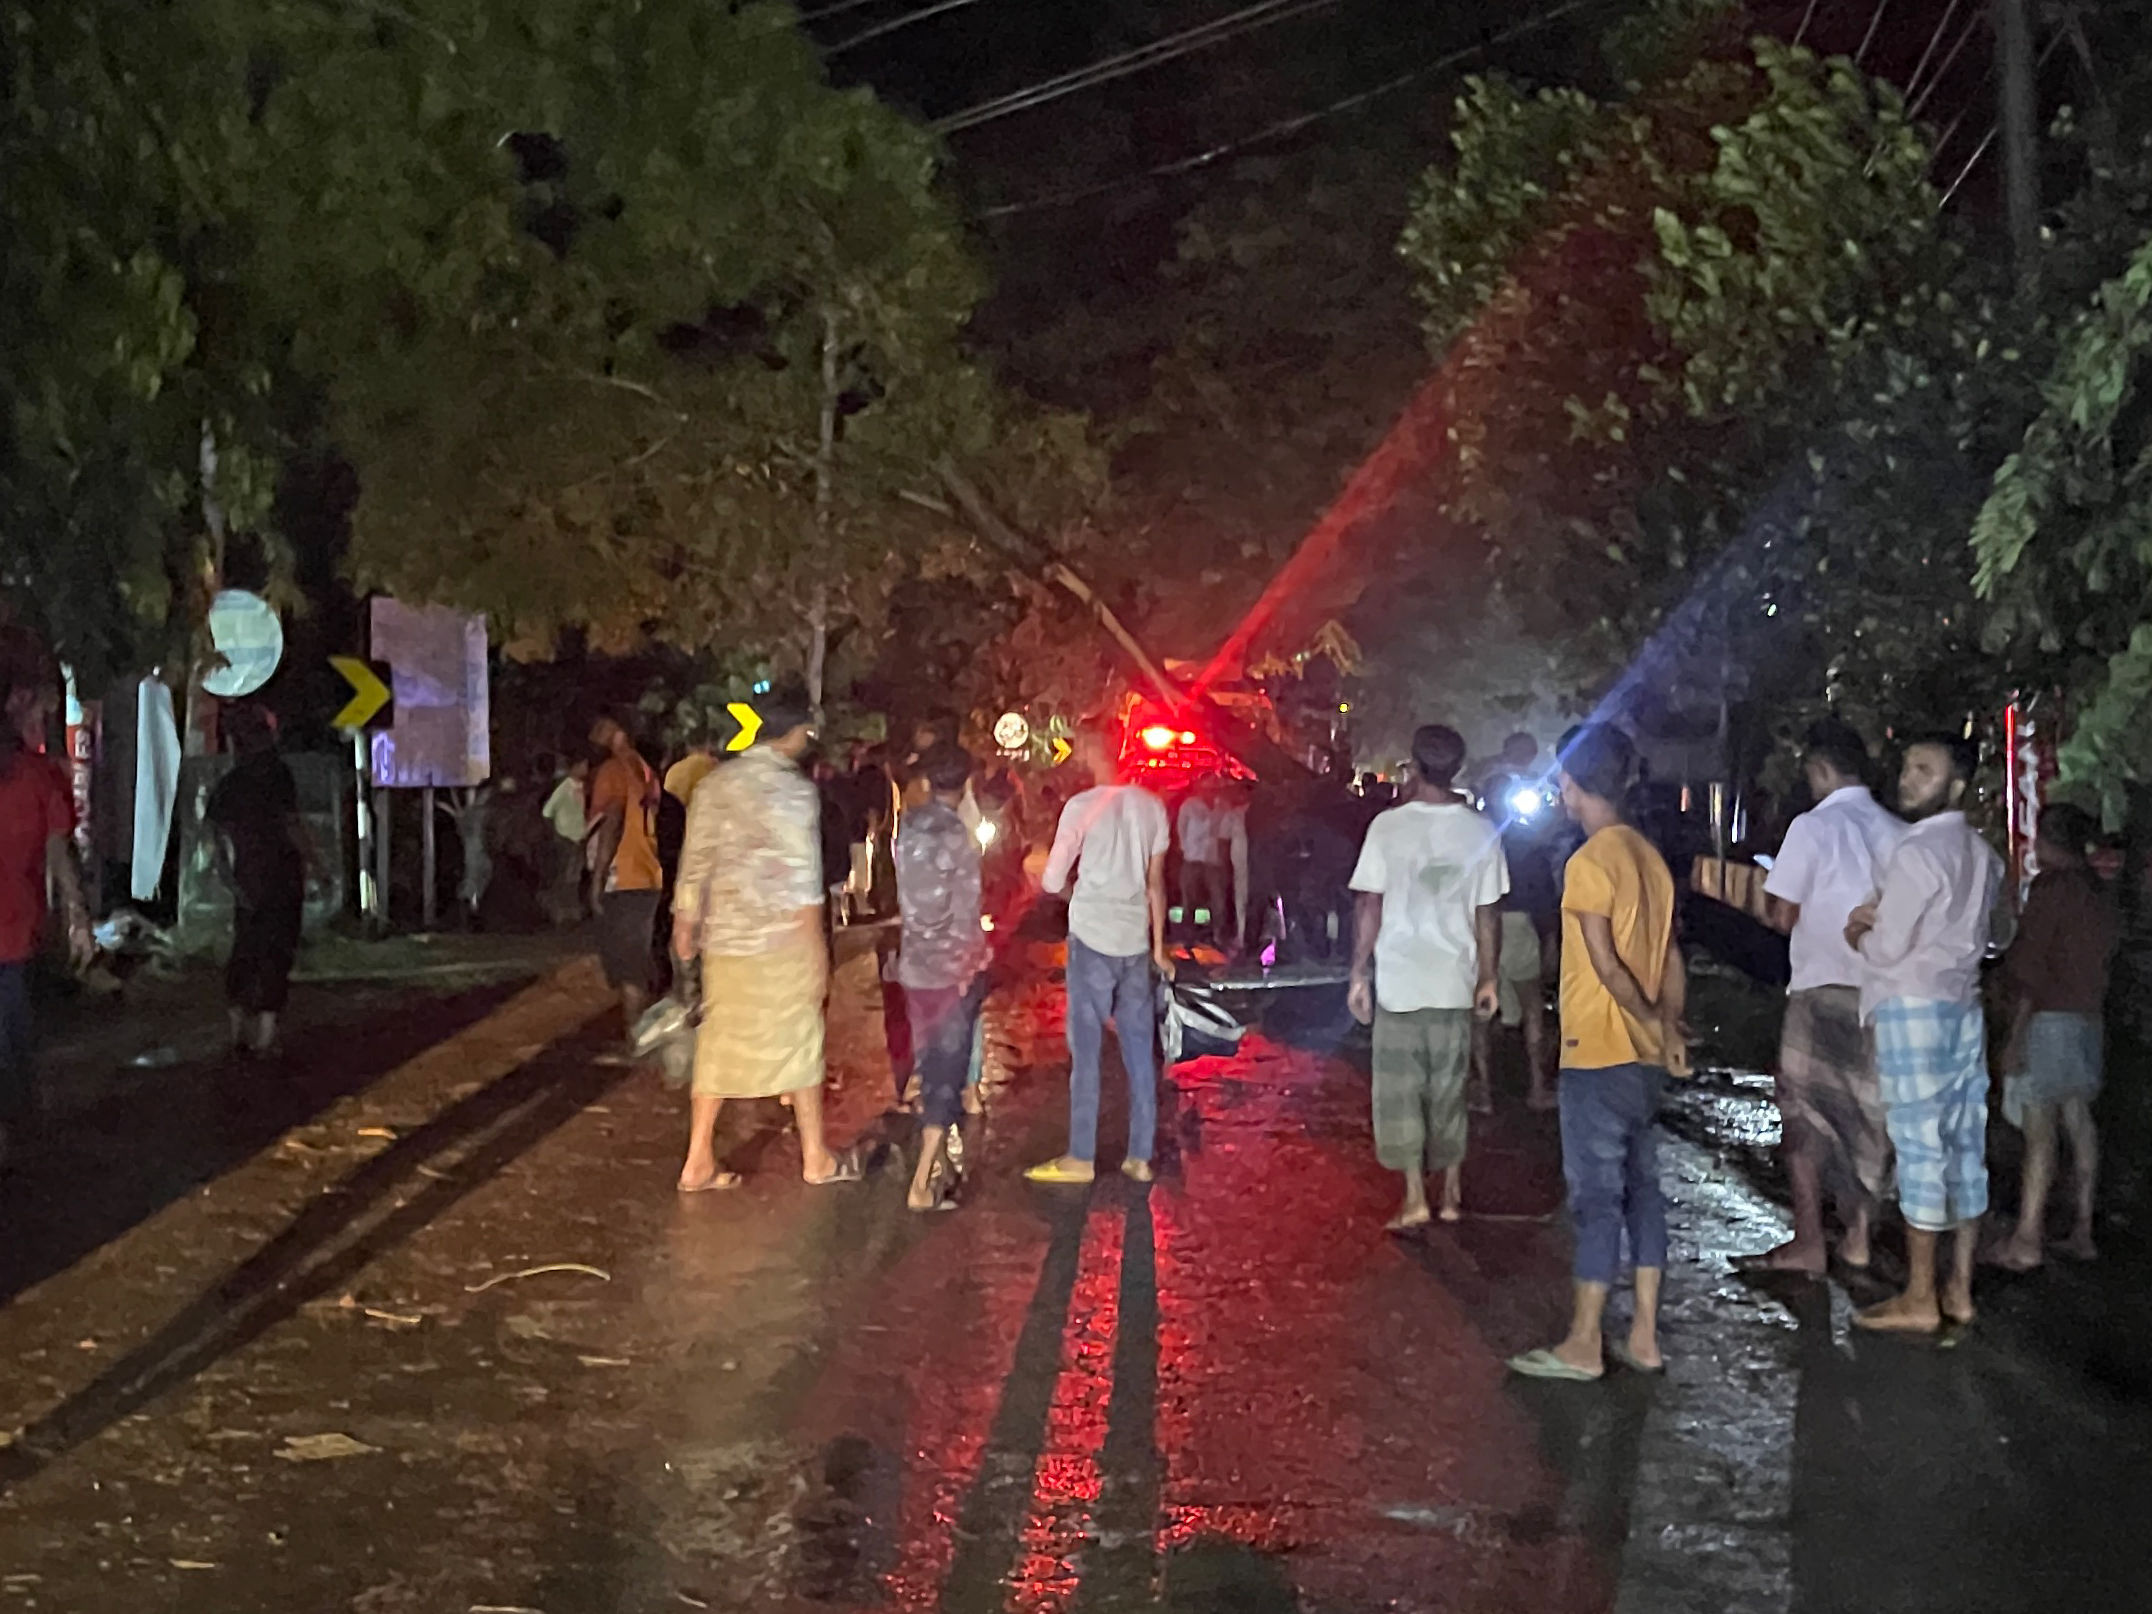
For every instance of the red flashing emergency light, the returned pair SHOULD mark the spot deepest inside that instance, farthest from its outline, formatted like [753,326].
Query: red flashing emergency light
[1156,748]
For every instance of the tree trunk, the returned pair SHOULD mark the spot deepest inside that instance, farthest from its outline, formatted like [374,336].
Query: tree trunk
[1251,745]
[825,458]
[198,716]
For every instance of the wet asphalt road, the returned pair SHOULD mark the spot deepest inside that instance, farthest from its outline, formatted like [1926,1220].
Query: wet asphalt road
[273,1342]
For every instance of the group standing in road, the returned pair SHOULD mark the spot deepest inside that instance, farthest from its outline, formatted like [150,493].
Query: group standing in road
[1883,1071]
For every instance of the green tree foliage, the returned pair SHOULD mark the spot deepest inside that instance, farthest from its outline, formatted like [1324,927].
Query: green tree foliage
[628,320]
[697,418]
[1706,359]
[126,336]
[2064,541]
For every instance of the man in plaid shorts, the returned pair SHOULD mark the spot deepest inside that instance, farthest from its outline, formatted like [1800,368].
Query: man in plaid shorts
[1921,941]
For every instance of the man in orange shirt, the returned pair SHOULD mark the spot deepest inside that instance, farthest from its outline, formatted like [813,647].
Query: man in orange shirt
[624,833]
[1623,993]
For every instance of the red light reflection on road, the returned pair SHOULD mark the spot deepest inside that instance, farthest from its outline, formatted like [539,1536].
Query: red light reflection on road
[1065,1482]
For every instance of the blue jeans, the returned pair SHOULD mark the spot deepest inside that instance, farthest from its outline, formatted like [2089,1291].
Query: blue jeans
[944,1021]
[1610,1159]
[14,1041]
[1102,988]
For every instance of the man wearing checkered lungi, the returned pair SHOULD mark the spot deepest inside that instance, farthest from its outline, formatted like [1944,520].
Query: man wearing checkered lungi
[1921,941]
[1830,1105]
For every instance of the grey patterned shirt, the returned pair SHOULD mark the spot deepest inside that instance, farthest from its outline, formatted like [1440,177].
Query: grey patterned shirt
[938,896]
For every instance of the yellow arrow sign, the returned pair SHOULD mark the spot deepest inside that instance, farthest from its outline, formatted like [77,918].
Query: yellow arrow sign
[368,693]
[750,722]
[1062,750]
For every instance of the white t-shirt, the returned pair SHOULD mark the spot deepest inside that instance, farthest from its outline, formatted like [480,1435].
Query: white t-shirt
[1200,824]
[1832,862]
[1110,836]
[1434,868]
[564,810]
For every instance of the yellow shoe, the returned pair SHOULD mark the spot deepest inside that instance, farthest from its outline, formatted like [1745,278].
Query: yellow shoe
[1136,1170]
[1066,1169]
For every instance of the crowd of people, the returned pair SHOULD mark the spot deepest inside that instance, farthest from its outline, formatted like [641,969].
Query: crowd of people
[1465,897]
[1884,1069]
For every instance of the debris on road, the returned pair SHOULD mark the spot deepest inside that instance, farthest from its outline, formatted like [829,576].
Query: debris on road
[321,1448]
[532,1272]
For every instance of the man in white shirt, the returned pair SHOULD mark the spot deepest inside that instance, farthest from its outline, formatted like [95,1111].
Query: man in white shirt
[1426,944]
[1214,850]
[1115,837]
[1830,1106]
[1921,942]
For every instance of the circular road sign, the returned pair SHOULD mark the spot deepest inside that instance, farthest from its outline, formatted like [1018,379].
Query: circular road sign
[1011,732]
[246,633]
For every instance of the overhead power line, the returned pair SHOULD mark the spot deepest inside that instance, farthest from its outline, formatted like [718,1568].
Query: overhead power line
[1262,14]
[1294,124]
[1941,28]
[1869,38]
[1973,25]
[894,23]
[838,8]
[1988,139]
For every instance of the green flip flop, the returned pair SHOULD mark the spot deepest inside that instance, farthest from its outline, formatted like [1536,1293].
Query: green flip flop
[1544,1364]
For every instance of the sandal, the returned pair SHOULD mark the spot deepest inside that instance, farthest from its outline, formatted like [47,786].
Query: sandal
[1544,1364]
[718,1181]
[845,1168]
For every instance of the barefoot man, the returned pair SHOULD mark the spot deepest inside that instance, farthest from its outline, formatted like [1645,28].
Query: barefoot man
[1623,994]
[2057,973]
[750,899]
[1921,942]
[1427,915]
[1830,1106]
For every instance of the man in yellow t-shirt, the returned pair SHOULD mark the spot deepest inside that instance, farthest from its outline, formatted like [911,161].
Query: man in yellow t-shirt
[624,831]
[1623,993]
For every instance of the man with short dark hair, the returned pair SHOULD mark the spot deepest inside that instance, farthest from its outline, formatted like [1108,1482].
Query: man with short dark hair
[1623,994]
[1921,941]
[2057,973]
[1830,1105]
[943,954]
[1516,798]
[1113,837]
[1426,942]
[631,879]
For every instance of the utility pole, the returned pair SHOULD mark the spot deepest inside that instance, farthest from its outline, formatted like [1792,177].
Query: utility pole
[2020,134]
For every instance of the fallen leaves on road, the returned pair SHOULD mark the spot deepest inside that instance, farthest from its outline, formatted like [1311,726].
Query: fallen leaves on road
[321,1448]
[532,1272]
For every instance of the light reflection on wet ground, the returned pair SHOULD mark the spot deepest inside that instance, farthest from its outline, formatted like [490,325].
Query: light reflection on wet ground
[1231,1392]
